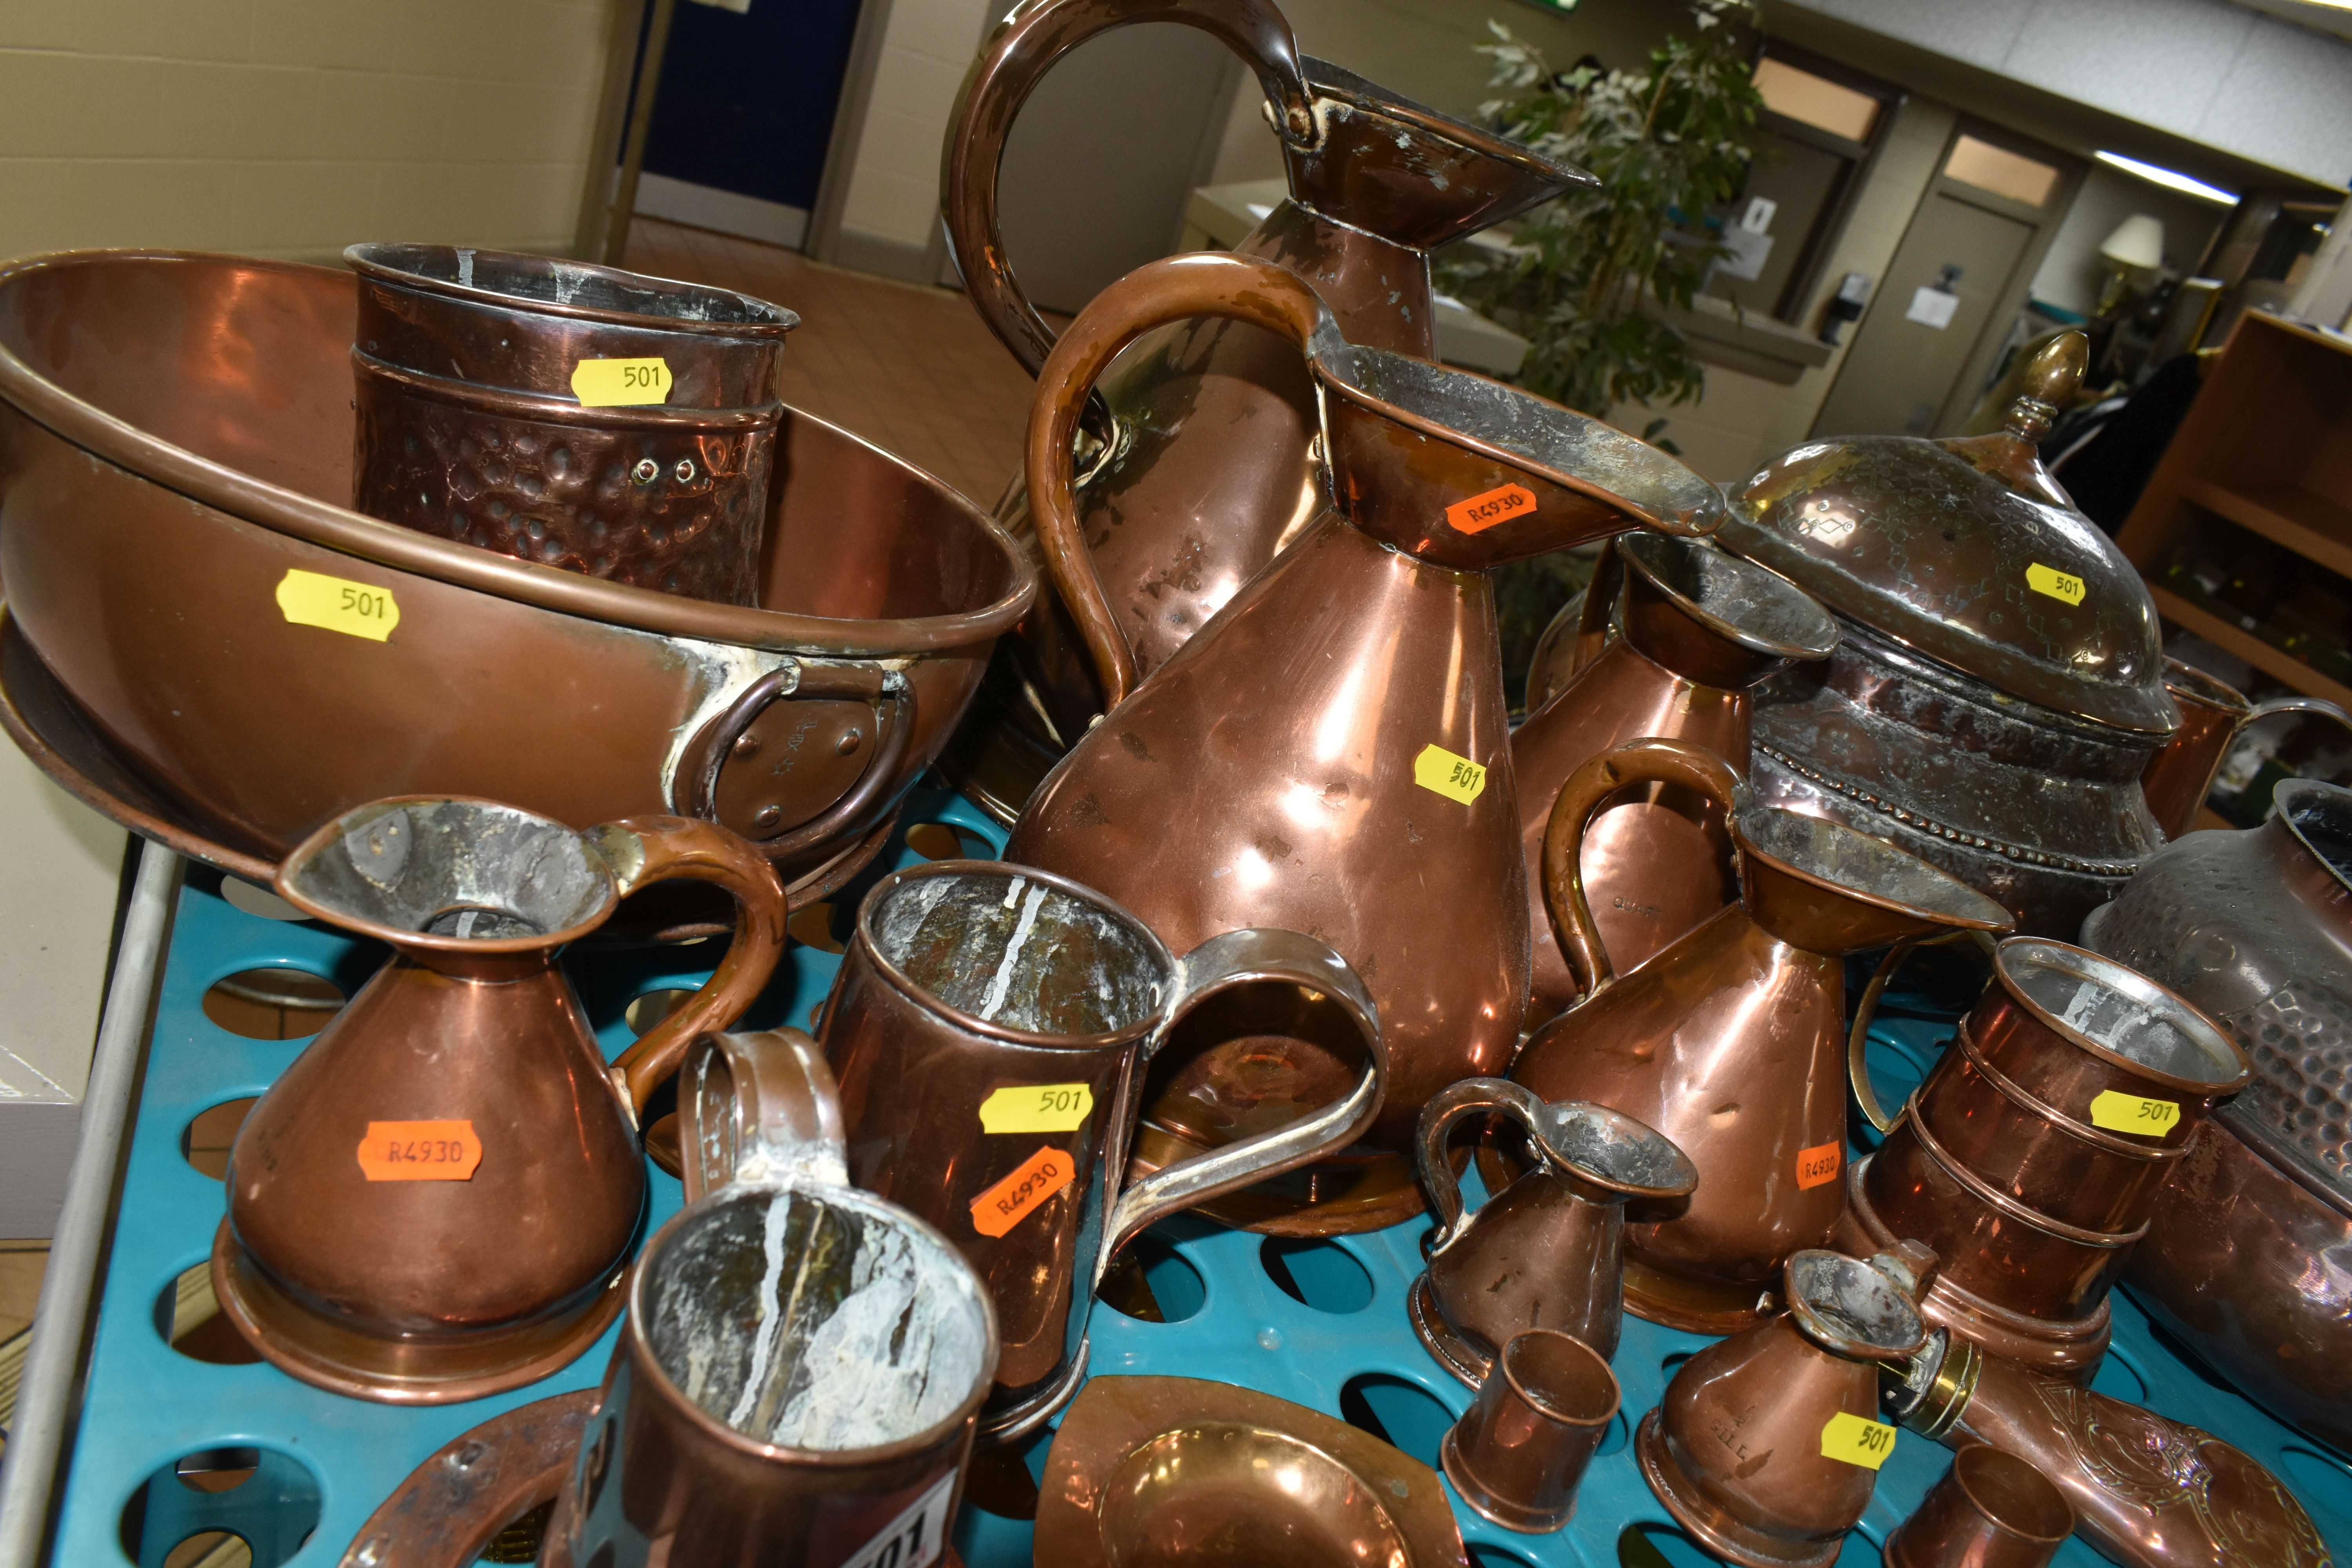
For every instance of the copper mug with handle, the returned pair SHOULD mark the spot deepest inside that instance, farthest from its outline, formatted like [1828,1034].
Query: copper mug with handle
[435,1201]
[991,1027]
[2213,714]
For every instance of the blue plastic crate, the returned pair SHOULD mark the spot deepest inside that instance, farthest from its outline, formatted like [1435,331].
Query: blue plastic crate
[1337,1340]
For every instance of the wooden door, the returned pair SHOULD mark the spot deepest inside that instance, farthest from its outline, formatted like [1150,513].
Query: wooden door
[1960,276]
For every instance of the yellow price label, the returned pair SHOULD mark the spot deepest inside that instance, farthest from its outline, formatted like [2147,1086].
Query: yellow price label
[337,604]
[1037,1108]
[1857,1440]
[1456,778]
[2058,585]
[2120,1112]
[620,382]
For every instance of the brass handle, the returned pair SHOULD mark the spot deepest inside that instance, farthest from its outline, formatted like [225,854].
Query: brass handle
[1207,283]
[642,850]
[757,1107]
[1438,1117]
[1857,1039]
[1016,55]
[1651,760]
[894,732]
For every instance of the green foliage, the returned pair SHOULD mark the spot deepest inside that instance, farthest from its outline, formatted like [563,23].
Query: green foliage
[1667,145]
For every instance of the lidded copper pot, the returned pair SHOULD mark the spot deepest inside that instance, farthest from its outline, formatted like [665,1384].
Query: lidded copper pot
[579,416]
[1998,686]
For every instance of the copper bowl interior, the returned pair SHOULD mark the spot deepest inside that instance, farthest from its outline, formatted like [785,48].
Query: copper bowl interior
[1232,1493]
[2120,1010]
[814,1319]
[1018,952]
[471,869]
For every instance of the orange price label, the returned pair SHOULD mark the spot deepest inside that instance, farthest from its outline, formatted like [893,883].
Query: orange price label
[1481,512]
[1007,1204]
[1818,1164]
[420,1152]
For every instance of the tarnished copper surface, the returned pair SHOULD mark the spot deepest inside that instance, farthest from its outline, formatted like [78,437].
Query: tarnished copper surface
[1729,1041]
[1734,1449]
[970,980]
[1701,627]
[1993,728]
[1368,652]
[454,1504]
[481,1276]
[1991,1509]
[2146,1492]
[469,429]
[1208,470]
[1547,1251]
[154,491]
[2249,1249]
[1518,1452]
[2179,777]
[1155,1472]
[2012,1101]
[731,1428]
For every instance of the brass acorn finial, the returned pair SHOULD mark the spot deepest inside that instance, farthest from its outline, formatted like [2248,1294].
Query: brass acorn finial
[2051,379]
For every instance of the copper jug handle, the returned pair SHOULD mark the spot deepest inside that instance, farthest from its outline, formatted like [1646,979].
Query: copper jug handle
[1204,283]
[1015,55]
[1239,958]
[1448,1106]
[1857,1039]
[642,850]
[759,1107]
[1650,760]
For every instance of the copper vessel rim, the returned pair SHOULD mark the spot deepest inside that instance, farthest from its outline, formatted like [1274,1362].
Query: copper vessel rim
[1729,631]
[1325,79]
[1813,1321]
[511,404]
[2024,1100]
[916,992]
[1535,1399]
[2182,677]
[2291,796]
[1943,918]
[370,261]
[1592,1176]
[2100,970]
[253,499]
[840,1195]
[2031,1218]
[492,947]
[2002,1518]
[1702,520]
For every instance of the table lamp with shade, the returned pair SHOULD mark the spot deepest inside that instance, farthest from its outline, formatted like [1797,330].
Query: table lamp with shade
[2136,245]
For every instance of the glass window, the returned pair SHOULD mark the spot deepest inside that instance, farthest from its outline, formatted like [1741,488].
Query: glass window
[1816,101]
[2001,171]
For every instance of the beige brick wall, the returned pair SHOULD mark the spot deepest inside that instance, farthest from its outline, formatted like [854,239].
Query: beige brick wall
[295,127]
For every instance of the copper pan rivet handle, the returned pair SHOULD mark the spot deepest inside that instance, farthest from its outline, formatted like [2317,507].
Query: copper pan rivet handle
[1235,958]
[642,850]
[1439,1117]
[1649,760]
[1017,54]
[1175,289]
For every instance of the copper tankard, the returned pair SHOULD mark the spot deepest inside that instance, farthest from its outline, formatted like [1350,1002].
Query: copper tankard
[990,1028]
[435,1202]
[579,416]
[802,1366]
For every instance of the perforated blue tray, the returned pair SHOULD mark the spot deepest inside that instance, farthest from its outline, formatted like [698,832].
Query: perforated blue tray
[1340,1345]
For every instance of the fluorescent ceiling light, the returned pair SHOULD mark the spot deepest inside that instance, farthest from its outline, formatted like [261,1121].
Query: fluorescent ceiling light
[2172,179]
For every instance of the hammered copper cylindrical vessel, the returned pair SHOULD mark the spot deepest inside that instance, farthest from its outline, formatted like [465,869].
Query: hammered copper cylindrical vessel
[1991,1509]
[1519,1453]
[485,416]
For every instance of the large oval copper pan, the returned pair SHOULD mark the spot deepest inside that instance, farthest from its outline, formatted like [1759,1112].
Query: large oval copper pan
[176,434]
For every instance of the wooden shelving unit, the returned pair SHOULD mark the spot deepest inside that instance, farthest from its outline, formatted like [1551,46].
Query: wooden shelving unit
[2267,447]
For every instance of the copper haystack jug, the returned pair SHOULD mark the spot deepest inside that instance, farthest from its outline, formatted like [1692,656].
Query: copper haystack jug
[1767,1445]
[435,1202]
[2212,713]
[1549,1250]
[1331,755]
[1204,468]
[2146,1492]
[1699,629]
[1731,1041]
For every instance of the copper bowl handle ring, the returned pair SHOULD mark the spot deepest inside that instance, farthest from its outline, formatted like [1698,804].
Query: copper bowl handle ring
[801,681]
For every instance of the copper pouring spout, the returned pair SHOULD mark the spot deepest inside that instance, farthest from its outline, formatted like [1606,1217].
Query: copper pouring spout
[1548,1251]
[435,1201]
[1333,756]
[1738,1450]
[1729,1042]
[1700,629]
[2146,1492]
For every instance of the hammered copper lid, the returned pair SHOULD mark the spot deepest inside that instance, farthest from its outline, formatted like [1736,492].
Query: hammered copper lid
[1966,551]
